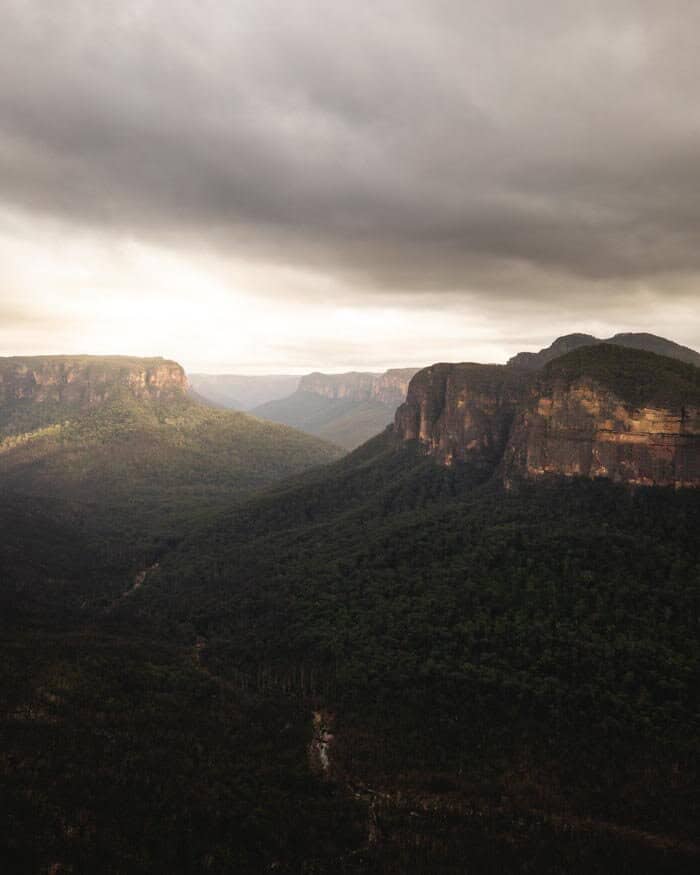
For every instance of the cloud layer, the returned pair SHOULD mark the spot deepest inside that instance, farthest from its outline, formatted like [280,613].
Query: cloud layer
[489,152]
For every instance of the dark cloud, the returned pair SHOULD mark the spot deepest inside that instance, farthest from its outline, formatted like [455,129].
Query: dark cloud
[505,148]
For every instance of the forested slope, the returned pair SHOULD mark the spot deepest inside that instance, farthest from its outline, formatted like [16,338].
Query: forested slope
[384,665]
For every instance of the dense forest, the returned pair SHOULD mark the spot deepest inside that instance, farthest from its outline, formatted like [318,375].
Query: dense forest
[134,475]
[381,665]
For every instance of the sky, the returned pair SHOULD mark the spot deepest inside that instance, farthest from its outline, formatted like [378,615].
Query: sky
[279,186]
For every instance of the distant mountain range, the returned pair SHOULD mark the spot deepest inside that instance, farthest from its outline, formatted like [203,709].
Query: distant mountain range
[348,409]
[345,409]
[242,392]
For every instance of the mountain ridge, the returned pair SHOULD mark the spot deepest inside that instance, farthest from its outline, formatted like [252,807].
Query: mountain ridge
[596,411]
[635,340]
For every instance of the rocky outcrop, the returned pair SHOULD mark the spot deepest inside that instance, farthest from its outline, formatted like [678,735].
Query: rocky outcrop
[583,429]
[461,412]
[387,388]
[630,416]
[85,381]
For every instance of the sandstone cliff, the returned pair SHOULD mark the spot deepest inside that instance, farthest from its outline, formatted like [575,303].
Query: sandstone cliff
[81,382]
[387,388]
[461,412]
[583,429]
[601,411]
[84,381]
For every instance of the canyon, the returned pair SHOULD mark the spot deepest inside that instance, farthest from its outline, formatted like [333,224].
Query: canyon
[346,409]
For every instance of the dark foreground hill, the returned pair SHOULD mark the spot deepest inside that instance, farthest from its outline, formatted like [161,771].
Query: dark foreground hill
[390,665]
[115,448]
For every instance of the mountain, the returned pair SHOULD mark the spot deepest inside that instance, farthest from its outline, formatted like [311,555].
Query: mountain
[242,392]
[346,409]
[569,342]
[421,657]
[117,445]
[38,390]
[599,411]
[387,388]
[497,666]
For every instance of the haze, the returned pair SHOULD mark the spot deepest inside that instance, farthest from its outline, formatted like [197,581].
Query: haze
[286,186]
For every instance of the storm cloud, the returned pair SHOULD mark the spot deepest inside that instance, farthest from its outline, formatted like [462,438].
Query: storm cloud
[545,153]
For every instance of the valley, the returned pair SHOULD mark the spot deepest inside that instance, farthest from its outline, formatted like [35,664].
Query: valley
[349,438]
[344,409]
[501,655]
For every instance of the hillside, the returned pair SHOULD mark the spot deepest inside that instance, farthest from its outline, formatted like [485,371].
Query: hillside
[121,451]
[388,664]
[641,378]
[632,340]
[346,409]
[493,669]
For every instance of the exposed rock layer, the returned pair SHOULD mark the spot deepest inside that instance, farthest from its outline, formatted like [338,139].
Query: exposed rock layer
[85,381]
[530,425]
[585,430]
[387,388]
[461,412]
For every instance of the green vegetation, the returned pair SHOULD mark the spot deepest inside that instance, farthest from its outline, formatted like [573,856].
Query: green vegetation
[511,677]
[133,476]
[342,421]
[636,376]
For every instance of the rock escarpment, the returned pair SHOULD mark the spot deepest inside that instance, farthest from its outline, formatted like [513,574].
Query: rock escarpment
[584,430]
[602,411]
[461,412]
[85,381]
[387,388]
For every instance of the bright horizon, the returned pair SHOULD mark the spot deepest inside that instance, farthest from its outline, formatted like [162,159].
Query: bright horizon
[255,190]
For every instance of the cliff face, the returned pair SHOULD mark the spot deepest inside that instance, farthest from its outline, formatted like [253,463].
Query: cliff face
[461,412]
[634,418]
[392,386]
[387,388]
[84,381]
[585,430]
